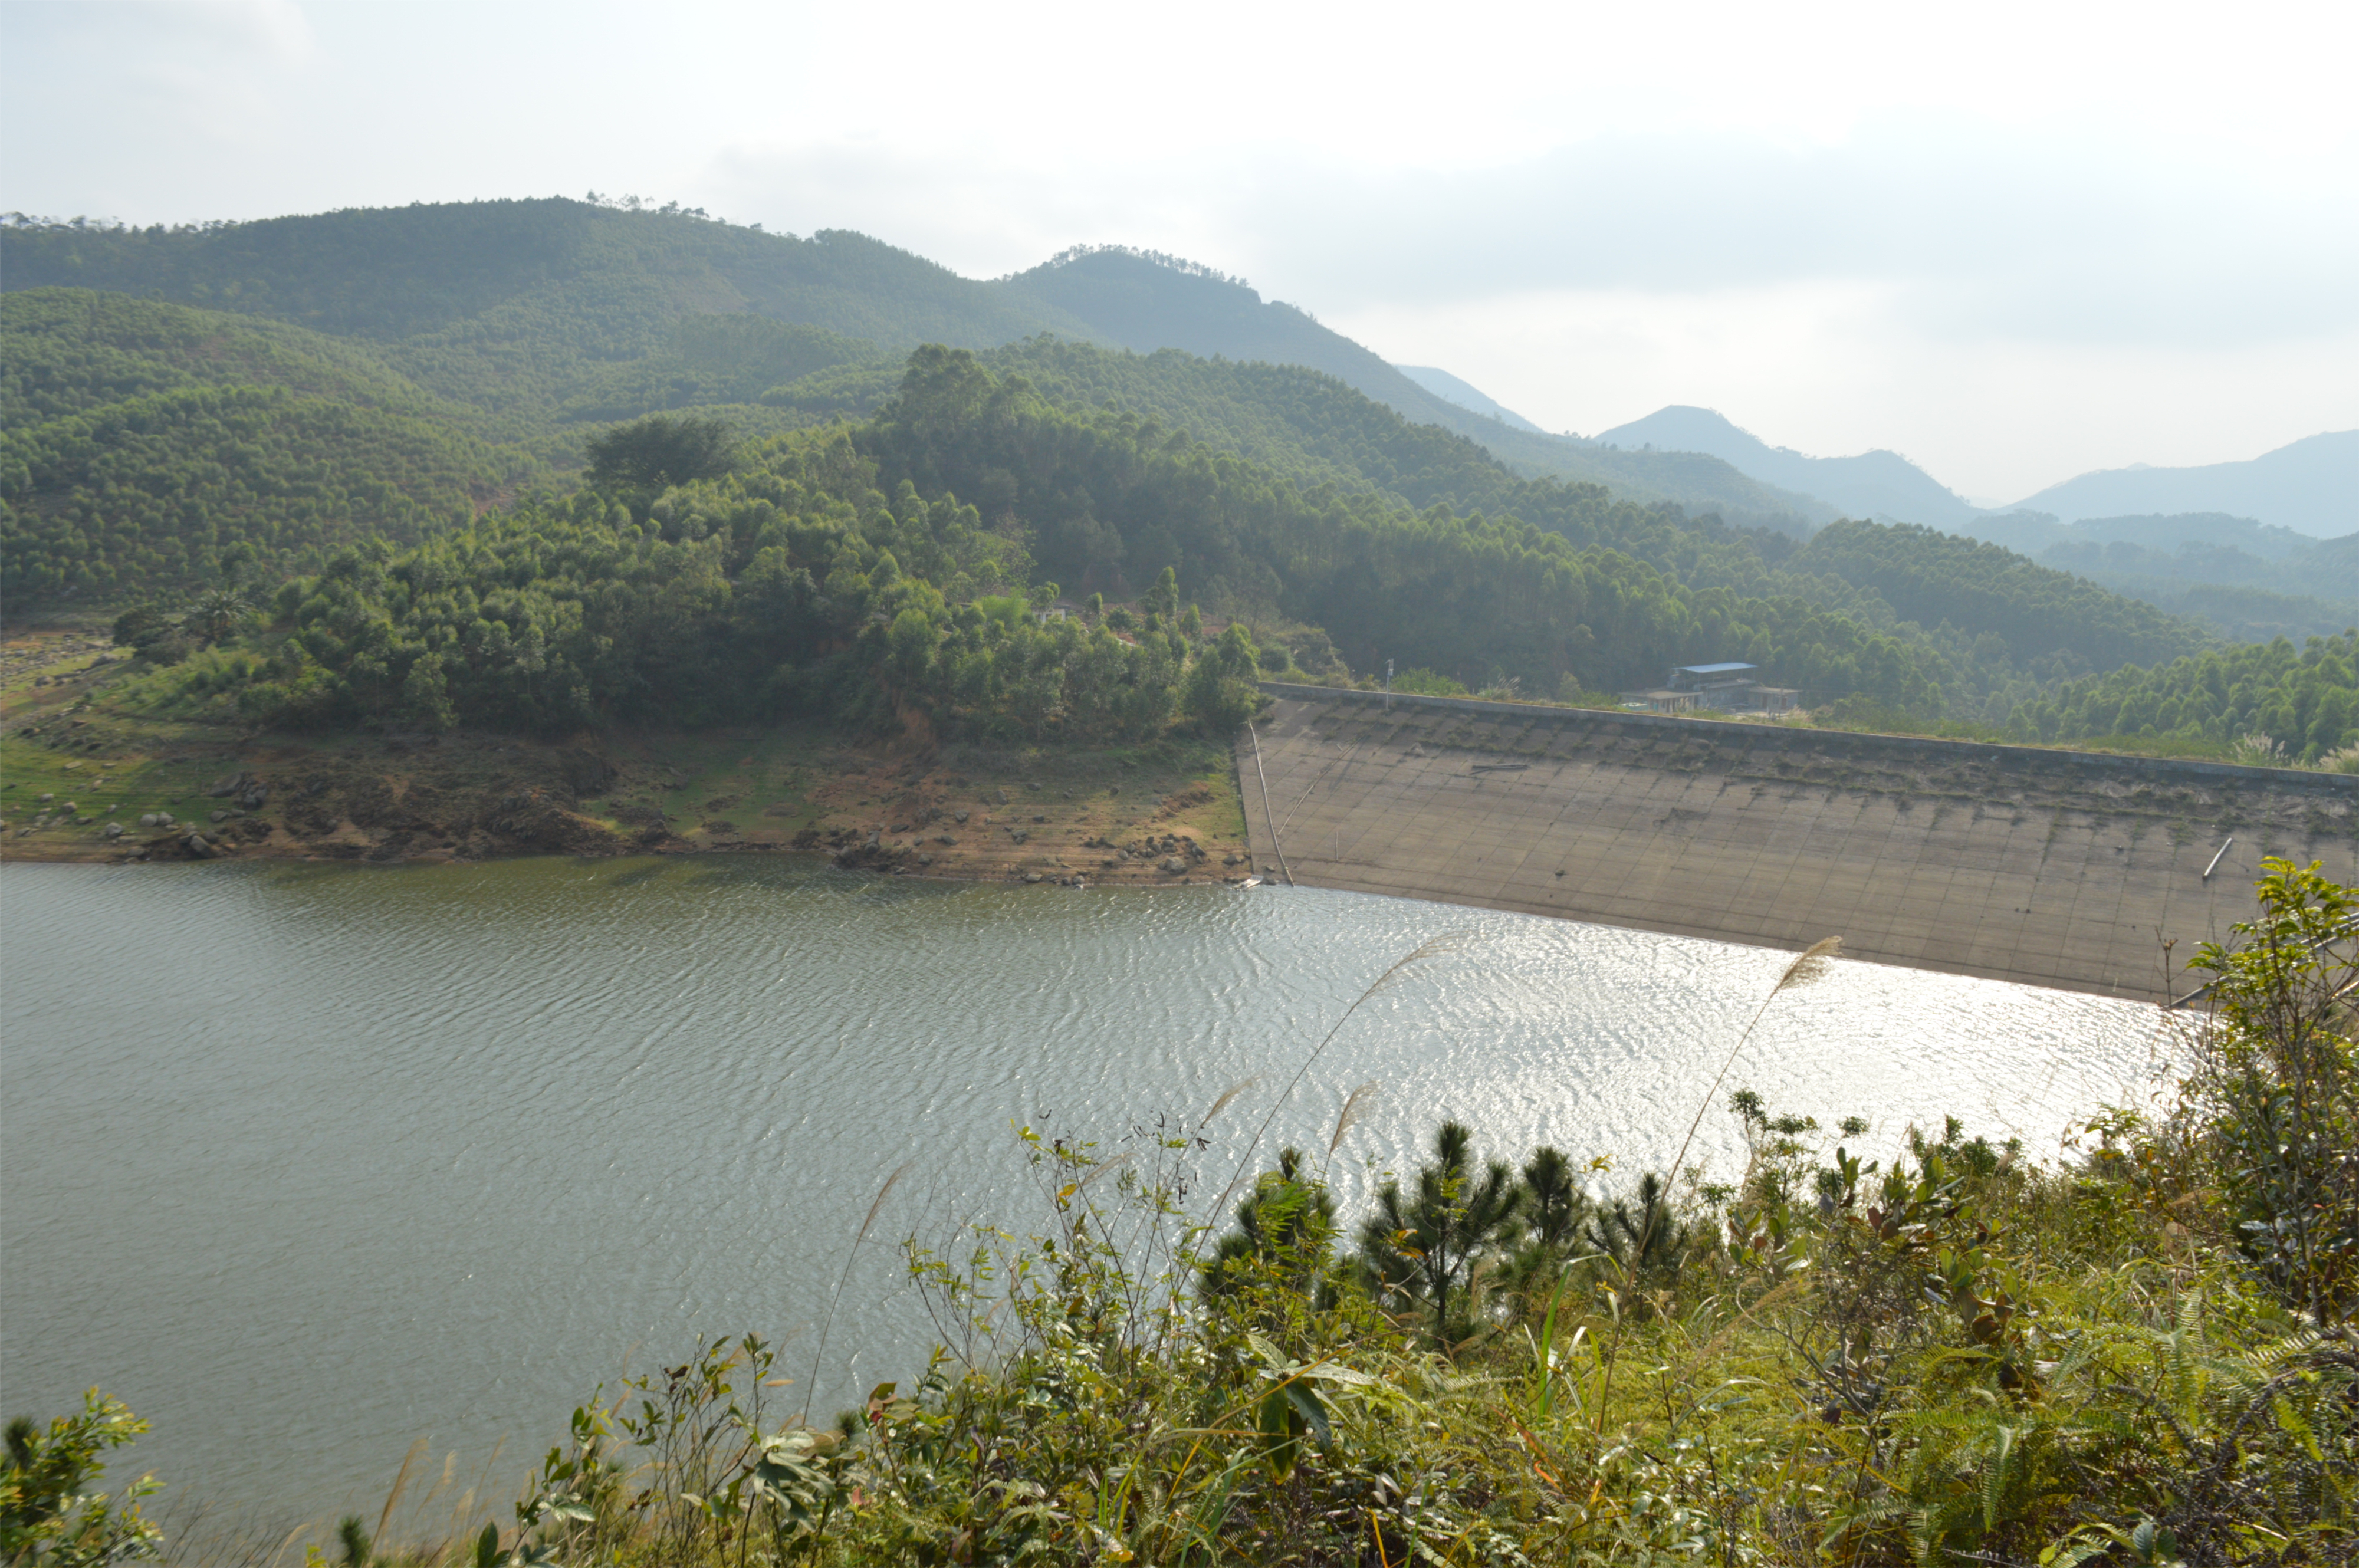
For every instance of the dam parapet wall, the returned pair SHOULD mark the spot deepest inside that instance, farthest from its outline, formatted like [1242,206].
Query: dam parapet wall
[1865,742]
[2071,869]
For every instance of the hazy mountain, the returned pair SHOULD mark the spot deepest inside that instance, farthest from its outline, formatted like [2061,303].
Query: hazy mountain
[2310,486]
[2249,580]
[1450,389]
[1873,485]
[2033,533]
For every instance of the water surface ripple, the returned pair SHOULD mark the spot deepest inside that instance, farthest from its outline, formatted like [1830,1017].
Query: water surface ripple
[305,1162]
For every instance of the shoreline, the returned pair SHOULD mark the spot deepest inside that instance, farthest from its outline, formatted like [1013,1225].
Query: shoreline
[1153,812]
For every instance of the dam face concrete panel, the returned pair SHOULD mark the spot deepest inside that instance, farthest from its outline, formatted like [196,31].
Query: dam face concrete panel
[2047,868]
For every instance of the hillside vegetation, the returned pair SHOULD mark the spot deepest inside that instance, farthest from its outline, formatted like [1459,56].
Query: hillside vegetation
[1930,577]
[2248,581]
[2293,704]
[892,571]
[173,488]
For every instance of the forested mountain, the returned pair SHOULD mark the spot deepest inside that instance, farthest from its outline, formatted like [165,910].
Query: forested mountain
[63,351]
[2039,614]
[2246,580]
[1306,427]
[1872,485]
[2310,486]
[603,277]
[525,305]
[520,306]
[1145,302]
[143,446]
[715,360]
[2035,533]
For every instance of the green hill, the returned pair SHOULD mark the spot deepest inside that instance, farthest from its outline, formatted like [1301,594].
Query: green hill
[869,573]
[1929,577]
[142,444]
[63,351]
[723,360]
[526,306]
[164,491]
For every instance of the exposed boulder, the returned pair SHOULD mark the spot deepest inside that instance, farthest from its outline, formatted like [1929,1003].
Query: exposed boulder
[587,773]
[871,855]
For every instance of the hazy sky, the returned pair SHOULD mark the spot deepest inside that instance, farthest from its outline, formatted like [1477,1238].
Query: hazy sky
[2014,243]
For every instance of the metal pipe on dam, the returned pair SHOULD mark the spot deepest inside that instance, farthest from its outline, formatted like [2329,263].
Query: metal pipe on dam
[2056,868]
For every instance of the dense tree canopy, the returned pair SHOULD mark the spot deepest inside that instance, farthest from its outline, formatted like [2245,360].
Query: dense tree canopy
[1929,576]
[660,452]
[153,491]
[2303,702]
[856,574]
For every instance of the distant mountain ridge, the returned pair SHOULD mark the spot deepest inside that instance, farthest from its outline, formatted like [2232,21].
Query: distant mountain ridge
[1143,303]
[1451,389]
[2308,488]
[1872,485]
[2311,485]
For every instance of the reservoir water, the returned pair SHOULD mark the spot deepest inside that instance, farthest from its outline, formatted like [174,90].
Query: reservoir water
[307,1162]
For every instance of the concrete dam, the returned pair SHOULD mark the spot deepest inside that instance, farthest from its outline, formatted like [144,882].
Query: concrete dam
[2055,868]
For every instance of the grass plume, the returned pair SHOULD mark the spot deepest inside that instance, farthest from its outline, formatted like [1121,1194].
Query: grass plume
[1357,1104]
[836,1295]
[1449,942]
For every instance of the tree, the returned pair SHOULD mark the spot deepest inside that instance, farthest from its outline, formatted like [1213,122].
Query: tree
[1424,1247]
[426,694]
[219,615]
[1553,1203]
[1648,1242]
[47,1517]
[1162,599]
[2277,1081]
[1284,1228]
[1221,689]
[661,451]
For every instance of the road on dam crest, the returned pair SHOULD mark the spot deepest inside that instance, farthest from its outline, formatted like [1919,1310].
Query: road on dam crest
[2012,862]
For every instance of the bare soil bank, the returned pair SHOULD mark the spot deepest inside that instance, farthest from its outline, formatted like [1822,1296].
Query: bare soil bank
[2046,869]
[1152,814]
